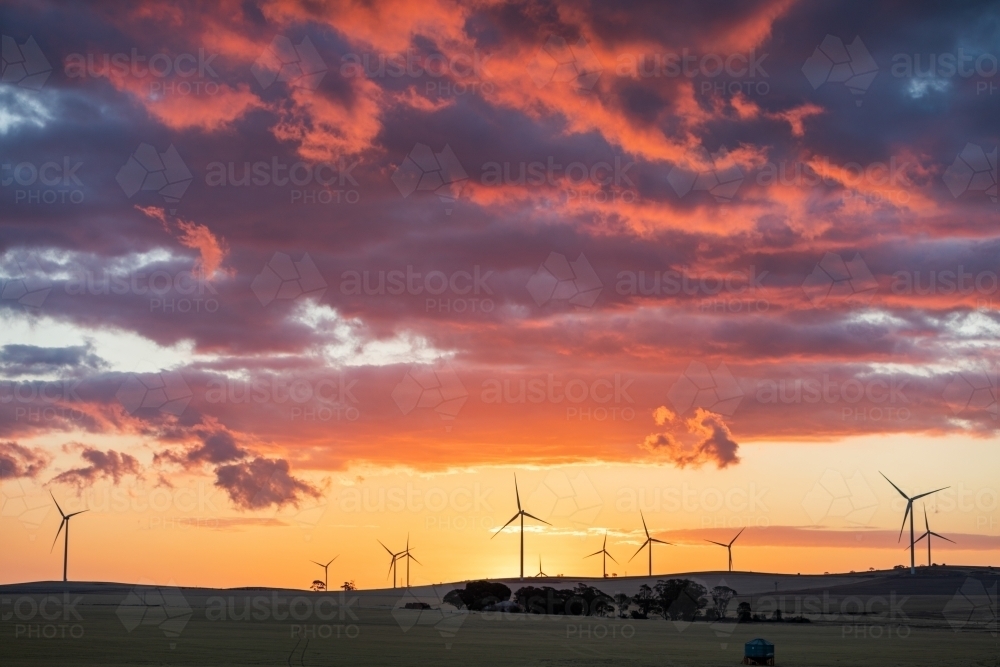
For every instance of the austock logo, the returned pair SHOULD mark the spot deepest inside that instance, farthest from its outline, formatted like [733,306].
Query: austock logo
[426,171]
[427,610]
[23,65]
[564,498]
[558,279]
[559,62]
[25,281]
[834,496]
[298,66]
[699,387]
[283,278]
[835,279]
[973,606]
[166,392]
[718,174]
[438,388]
[164,607]
[147,169]
[833,62]
[974,389]
[974,170]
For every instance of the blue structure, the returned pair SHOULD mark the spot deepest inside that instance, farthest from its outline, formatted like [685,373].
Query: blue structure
[758,652]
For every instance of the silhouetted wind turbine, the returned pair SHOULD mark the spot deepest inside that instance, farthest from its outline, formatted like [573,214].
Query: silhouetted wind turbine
[909,511]
[326,568]
[406,554]
[604,550]
[540,573]
[928,534]
[649,541]
[520,513]
[729,547]
[392,565]
[64,522]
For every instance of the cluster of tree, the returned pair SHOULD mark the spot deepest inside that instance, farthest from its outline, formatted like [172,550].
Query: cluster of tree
[676,600]
[745,615]
[582,600]
[477,595]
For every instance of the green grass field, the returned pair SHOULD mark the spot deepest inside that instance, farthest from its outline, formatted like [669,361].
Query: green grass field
[926,620]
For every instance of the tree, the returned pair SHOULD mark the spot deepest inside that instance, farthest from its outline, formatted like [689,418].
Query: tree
[681,599]
[349,586]
[721,596]
[622,602]
[645,601]
[477,595]
[743,612]
[317,585]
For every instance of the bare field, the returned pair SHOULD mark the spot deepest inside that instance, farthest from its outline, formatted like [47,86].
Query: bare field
[945,617]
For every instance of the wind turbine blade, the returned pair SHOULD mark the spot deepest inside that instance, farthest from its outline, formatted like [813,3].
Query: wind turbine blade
[611,557]
[386,548]
[653,539]
[536,518]
[644,524]
[927,526]
[909,506]
[61,513]
[413,559]
[320,564]
[332,559]
[506,524]
[917,540]
[639,550]
[719,543]
[69,516]
[605,540]
[894,486]
[61,524]
[596,553]
[738,535]
[930,492]
[944,538]
[517,494]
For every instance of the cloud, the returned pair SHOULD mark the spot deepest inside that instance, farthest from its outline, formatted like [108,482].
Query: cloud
[261,483]
[712,441]
[20,461]
[107,465]
[211,249]
[19,359]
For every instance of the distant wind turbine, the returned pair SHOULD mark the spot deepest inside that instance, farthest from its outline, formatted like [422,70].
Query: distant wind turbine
[326,571]
[928,534]
[649,541]
[729,547]
[392,565]
[406,554]
[520,513]
[64,522]
[540,573]
[604,551]
[909,512]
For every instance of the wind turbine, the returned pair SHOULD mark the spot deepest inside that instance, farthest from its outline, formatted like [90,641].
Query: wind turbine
[909,511]
[520,513]
[729,547]
[326,571]
[540,573]
[649,541]
[408,557]
[64,522]
[604,550]
[928,536]
[392,565]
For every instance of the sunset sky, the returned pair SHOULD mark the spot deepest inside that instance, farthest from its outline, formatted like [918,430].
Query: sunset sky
[282,279]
